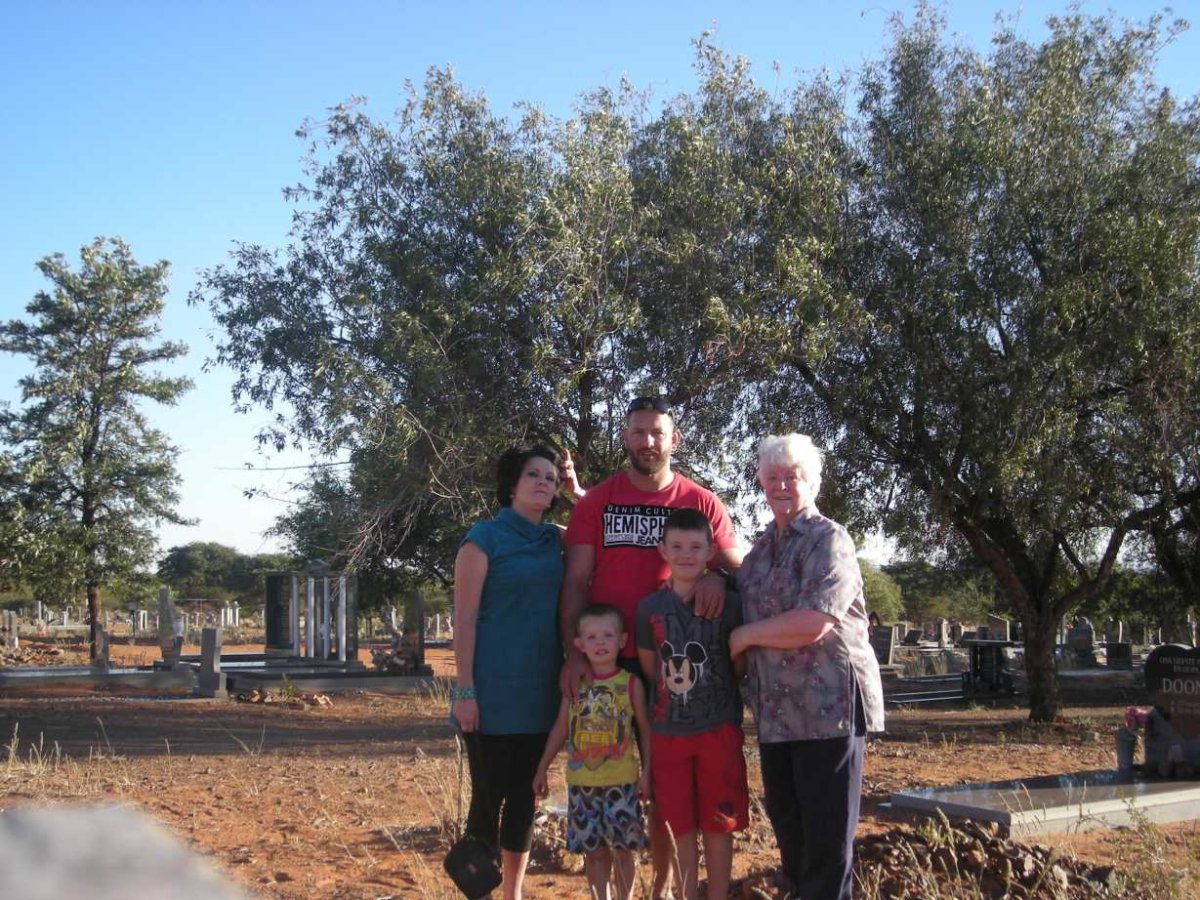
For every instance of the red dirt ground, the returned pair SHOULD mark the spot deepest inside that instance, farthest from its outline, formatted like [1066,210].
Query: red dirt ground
[354,800]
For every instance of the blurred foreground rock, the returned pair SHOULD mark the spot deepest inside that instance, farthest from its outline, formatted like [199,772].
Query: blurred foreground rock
[102,853]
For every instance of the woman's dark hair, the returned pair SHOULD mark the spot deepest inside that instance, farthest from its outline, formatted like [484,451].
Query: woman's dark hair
[512,464]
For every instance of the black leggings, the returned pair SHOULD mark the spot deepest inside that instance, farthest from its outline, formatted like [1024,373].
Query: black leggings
[502,803]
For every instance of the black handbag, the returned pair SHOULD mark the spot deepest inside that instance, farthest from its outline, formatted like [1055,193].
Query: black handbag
[472,866]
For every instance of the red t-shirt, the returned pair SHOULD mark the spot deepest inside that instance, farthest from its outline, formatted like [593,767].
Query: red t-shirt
[624,525]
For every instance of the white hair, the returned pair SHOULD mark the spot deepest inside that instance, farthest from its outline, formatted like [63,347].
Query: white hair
[795,451]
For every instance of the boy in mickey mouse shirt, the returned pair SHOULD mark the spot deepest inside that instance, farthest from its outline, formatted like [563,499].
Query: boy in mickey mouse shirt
[697,769]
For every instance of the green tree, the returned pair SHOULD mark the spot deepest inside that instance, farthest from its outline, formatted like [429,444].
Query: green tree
[942,591]
[882,593]
[212,571]
[1144,598]
[1176,550]
[92,476]
[977,289]
[199,570]
[1011,300]
[457,283]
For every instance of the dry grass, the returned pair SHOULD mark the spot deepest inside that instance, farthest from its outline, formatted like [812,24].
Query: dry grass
[383,820]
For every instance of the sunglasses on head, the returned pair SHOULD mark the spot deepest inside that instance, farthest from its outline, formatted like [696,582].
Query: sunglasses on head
[655,403]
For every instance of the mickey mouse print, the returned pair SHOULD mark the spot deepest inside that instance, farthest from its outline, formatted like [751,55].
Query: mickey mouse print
[695,689]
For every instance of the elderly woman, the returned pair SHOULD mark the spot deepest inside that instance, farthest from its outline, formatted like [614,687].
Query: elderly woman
[507,651]
[813,681]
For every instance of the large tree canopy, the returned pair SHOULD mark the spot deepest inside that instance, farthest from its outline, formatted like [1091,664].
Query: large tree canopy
[973,278]
[88,473]
[1012,305]
[459,282]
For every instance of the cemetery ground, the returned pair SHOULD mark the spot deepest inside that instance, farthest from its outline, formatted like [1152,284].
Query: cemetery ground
[360,798]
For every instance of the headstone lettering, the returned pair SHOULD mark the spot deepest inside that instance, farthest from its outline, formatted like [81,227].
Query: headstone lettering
[1173,730]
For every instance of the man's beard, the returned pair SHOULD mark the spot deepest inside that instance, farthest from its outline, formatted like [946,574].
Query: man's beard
[646,467]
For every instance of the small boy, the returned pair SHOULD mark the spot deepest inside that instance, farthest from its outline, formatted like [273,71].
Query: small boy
[698,773]
[599,727]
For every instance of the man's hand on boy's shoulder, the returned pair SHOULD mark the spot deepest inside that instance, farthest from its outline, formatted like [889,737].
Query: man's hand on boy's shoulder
[709,600]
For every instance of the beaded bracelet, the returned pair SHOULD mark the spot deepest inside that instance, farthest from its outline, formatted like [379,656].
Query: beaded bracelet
[464,693]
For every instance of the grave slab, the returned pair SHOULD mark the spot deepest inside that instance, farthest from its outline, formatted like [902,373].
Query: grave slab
[1071,802]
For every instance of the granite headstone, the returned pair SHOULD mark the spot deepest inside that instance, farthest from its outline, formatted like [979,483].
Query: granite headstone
[1173,730]
[882,641]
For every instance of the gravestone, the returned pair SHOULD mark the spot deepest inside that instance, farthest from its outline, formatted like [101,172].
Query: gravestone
[941,632]
[883,643]
[956,632]
[998,628]
[913,637]
[100,662]
[987,672]
[1081,643]
[210,680]
[1173,728]
[1120,655]
[1114,632]
[170,629]
[8,630]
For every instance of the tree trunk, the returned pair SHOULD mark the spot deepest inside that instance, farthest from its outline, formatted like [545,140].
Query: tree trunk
[93,609]
[1040,667]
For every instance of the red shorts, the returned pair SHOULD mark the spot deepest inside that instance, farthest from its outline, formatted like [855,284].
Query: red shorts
[699,782]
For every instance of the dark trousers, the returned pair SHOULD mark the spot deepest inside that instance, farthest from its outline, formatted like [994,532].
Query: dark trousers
[502,803]
[811,792]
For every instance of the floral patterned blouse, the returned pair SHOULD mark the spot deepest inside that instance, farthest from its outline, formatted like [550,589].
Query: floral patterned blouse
[807,693]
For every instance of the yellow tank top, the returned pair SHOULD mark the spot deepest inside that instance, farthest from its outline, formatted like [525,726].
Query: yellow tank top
[601,737]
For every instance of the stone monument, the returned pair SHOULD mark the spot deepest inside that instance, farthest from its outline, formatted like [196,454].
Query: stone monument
[883,639]
[1081,642]
[100,662]
[998,628]
[210,680]
[1173,727]
[170,629]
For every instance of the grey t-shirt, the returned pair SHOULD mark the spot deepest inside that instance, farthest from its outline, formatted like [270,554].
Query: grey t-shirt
[694,686]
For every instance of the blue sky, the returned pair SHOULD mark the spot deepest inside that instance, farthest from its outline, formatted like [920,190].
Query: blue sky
[173,126]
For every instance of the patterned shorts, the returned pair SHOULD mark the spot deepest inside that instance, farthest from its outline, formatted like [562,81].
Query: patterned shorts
[604,817]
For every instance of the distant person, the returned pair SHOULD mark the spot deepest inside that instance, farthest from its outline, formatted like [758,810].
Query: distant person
[507,577]
[813,681]
[698,770]
[601,725]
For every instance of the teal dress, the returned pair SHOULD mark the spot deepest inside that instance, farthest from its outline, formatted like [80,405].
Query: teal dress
[517,648]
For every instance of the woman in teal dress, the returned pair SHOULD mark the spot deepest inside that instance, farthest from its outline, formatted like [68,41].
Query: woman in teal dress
[508,653]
